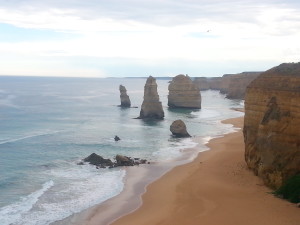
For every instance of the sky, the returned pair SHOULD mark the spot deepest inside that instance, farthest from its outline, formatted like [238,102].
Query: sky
[121,38]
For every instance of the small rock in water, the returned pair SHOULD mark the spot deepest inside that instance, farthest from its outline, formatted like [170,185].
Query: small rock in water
[178,129]
[98,160]
[120,160]
[117,138]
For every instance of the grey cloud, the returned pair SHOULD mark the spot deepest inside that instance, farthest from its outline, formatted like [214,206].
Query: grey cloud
[158,12]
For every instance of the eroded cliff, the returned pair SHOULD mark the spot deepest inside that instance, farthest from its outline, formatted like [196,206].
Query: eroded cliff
[272,124]
[151,107]
[125,101]
[183,93]
[232,85]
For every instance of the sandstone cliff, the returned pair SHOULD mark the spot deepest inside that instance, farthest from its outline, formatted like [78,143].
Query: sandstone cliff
[232,85]
[183,93]
[125,101]
[206,83]
[272,124]
[151,107]
[238,83]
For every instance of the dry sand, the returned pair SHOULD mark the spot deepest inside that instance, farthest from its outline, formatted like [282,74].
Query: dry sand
[215,189]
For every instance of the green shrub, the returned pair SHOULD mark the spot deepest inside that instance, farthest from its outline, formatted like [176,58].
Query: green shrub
[290,190]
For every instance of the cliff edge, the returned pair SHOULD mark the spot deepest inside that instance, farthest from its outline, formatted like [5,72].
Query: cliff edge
[272,124]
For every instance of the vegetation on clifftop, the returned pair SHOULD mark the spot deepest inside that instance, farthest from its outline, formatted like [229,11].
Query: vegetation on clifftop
[290,190]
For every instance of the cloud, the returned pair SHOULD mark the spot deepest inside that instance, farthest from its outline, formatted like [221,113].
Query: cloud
[147,33]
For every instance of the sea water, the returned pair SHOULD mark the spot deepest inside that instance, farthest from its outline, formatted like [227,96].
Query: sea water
[47,125]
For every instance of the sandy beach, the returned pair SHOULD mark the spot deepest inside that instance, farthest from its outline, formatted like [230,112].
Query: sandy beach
[216,188]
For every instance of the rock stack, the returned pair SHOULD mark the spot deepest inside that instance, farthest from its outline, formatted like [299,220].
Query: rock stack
[125,101]
[151,107]
[178,129]
[183,93]
[272,124]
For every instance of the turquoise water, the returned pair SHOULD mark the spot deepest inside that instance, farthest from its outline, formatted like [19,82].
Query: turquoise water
[47,125]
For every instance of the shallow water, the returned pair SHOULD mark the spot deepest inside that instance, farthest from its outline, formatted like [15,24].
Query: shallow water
[47,125]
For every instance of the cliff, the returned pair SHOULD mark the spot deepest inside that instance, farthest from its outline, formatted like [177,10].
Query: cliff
[125,101]
[232,85]
[183,93]
[272,124]
[206,83]
[151,107]
[238,83]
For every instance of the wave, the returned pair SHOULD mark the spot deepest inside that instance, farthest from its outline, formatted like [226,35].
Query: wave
[27,137]
[12,214]
[174,150]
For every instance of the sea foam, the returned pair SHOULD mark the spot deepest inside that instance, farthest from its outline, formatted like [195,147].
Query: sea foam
[12,214]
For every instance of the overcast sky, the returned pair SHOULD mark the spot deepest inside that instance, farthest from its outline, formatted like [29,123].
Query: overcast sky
[97,38]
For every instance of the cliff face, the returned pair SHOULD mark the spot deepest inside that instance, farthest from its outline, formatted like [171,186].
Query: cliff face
[202,83]
[183,93]
[151,107]
[125,101]
[232,85]
[238,83]
[272,124]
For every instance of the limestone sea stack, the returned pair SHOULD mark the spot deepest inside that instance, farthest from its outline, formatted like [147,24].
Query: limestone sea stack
[183,93]
[178,129]
[151,107]
[272,124]
[125,101]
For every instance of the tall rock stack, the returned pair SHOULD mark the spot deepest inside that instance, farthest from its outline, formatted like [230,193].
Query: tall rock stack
[151,107]
[125,101]
[272,124]
[183,93]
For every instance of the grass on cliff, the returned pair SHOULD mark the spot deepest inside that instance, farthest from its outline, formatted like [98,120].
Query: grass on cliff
[290,190]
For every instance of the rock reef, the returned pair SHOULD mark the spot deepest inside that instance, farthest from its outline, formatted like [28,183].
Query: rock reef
[120,160]
[151,107]
[125,101]
[272,124]
[178,129]
[183,93]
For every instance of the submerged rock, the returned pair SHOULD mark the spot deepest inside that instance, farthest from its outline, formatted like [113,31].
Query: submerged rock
[272,124]
[183,93]
[178,129]
[125,101]
[151,107]
[98,160]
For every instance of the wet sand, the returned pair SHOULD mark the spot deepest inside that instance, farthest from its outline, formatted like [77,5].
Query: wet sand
[216,188]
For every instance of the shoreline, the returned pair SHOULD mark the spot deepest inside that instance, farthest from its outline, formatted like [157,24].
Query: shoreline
[215,188]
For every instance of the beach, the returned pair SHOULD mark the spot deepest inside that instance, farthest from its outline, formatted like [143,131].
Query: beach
[216,188]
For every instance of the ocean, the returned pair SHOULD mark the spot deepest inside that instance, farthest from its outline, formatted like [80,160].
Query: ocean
[47,125]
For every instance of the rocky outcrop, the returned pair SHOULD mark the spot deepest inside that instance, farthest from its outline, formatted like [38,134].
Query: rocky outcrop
[178,129]
[124,161]
[125,101]
[120,160]
[98,160]
[183,93]
[272,124]
[151,107]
